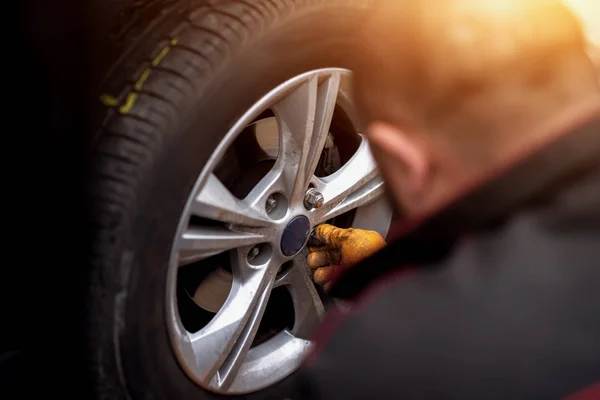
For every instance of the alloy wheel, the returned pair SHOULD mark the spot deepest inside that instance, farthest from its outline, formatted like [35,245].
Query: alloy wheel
[263,236]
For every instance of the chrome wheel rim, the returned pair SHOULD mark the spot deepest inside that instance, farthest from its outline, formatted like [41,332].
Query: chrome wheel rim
[219,357]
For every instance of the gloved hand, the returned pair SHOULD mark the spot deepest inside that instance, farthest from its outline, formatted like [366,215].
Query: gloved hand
[342,247]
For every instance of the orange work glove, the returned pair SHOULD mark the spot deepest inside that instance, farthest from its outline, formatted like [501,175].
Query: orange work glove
[341,247]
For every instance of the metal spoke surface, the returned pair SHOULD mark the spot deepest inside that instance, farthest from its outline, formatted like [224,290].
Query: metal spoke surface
[222,345]
[307,303]
[277,358]
[304,117]
[361,197]
[198,243]
[216,202]
[354,185]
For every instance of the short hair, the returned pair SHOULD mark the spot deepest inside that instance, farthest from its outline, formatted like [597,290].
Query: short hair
[414,66]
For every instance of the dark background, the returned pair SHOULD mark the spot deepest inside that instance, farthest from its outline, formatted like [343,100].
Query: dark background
[59,49]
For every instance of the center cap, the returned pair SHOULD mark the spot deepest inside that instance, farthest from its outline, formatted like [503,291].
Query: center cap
[295,236]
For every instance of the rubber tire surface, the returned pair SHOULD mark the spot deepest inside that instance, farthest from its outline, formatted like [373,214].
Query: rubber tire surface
[199,70]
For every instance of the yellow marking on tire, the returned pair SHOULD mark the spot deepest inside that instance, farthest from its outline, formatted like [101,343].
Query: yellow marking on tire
[163,53]
[129,103]
[108,100]
[133,95]
[140,82]
[160,56]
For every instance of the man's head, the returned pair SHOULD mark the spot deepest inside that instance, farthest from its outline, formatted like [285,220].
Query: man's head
[451,89]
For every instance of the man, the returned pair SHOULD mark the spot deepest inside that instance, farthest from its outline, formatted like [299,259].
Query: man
[484,118]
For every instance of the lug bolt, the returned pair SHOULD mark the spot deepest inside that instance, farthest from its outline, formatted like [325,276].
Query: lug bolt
[253,253]
[313,199]
[271,204]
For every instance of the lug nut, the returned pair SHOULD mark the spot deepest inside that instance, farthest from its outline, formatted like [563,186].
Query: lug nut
[313,199]
[253,253]
[271,204]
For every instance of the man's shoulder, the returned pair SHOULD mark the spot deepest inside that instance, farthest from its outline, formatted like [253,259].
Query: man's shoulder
[509,313]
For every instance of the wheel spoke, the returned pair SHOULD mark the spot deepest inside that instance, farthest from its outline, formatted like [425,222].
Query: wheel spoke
[304,118]
[364,195]
[216,202]
[222,345]
[270,183]
[355,184]
[278,357]
[326,100]
[198,243]
[308,306]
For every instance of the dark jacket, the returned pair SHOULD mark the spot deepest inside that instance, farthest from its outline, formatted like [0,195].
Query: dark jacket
[495,297]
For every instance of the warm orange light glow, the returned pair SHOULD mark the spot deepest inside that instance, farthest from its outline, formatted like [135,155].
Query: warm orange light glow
[588,11]
[501,7]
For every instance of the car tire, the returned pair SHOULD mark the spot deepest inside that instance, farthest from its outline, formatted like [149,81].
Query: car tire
[165,108]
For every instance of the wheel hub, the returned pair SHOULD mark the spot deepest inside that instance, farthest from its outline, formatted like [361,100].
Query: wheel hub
[295,235]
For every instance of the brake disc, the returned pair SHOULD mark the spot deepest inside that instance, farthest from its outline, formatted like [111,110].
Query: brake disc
[213,290]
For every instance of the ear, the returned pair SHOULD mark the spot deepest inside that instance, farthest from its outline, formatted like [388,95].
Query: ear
[400,147]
